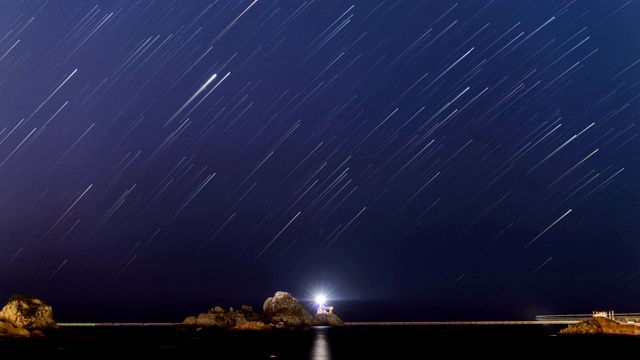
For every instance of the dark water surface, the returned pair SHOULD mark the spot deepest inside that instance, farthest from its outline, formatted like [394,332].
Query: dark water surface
[349,342]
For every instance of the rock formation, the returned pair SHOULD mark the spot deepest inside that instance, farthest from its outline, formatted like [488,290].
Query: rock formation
[279,312]
[327,319]
[25,316]
[284,309]
[218,317]
[601,325]
[7,329]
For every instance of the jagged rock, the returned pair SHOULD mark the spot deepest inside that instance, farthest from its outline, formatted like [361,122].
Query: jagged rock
[600,325]
[327,319]
[190,321]
[219,318]
[27,312]
[284,309]
[249,314]
[589,326]
[7,329]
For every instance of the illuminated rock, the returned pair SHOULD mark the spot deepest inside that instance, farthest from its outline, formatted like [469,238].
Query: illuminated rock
[282,311]
[327,319]
[8,330]
[24,315]
[601,325]
[219,318]
[286,310]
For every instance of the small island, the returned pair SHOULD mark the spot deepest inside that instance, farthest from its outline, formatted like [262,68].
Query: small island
[26,316]
[281,311]
[603,322]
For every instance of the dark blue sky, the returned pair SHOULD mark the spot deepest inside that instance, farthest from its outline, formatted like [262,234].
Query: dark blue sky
[416,160]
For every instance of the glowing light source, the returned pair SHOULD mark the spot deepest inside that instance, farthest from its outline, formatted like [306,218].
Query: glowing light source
[320,297]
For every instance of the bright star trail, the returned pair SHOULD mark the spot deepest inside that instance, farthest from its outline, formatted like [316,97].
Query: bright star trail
[425,160]
[191,98]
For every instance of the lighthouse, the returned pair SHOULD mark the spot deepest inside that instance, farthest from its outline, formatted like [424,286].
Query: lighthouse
[322,308]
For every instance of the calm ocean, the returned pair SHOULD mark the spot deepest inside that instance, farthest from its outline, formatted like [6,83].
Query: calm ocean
[349,342]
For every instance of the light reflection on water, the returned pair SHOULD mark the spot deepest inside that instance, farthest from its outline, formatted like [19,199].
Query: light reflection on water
[320,348]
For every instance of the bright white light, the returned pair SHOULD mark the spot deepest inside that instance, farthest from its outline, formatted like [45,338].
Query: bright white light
[320,299]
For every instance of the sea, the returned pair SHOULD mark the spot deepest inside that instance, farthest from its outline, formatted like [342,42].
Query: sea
[321,343]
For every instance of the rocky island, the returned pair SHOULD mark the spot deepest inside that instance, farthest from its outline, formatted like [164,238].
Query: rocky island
[26,316]
[279,312]
[601,325]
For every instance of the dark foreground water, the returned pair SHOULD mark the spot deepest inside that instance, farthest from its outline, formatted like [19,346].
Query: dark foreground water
[349,342]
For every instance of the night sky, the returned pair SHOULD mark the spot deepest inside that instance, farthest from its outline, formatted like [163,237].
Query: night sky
[414,160]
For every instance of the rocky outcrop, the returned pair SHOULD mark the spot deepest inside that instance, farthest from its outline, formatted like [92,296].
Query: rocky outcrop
[7,329]
[249,314]
[284,309]
[25,316]
[327,319]
[601,325]
[219,318]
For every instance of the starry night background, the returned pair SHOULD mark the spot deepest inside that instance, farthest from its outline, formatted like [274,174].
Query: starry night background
[415,160]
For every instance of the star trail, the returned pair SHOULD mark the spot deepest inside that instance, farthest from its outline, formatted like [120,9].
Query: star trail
[423,160]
